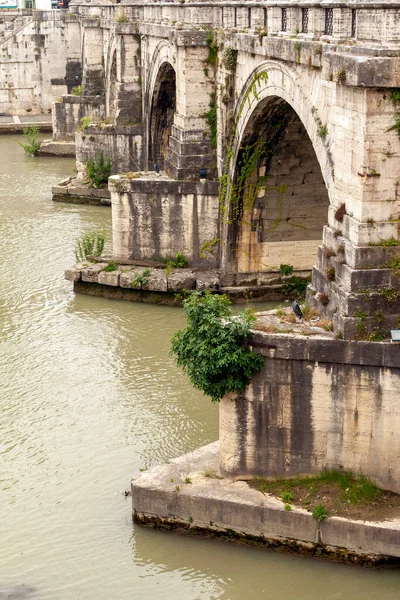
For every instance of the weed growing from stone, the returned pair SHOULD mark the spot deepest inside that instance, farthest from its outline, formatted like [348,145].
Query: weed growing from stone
[31,145]
[140,279]
[91,243]
[112,266]
[320,513]
[77,90]
[98,170]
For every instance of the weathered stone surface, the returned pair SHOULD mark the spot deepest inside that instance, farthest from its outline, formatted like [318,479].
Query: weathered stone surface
[156,281]
[183,279]
[111,278]
[91,274]
[126,278]
[73,273]
[221,506]
[207,280]
[317,403]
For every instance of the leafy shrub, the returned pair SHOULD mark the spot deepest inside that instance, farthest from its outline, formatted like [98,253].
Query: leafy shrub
[32,144]
[211,349]
[91,243]
[295,287]
[286,269]
[98,170]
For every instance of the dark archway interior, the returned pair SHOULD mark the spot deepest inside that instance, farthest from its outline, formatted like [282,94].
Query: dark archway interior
[112,88]
[280,202]
[162,115]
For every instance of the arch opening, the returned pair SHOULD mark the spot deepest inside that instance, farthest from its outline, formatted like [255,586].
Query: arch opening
[112,88]
[163,108]
[279,201]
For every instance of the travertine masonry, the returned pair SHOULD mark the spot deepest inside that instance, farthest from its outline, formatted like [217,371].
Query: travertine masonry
[317,403]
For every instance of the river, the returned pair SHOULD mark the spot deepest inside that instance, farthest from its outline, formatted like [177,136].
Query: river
[89,395]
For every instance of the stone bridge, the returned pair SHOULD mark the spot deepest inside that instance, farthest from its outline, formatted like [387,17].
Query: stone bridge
[276,127]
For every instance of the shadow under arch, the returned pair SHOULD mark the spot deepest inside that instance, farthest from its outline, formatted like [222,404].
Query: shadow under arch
[111,91]
[278,197]
[163,107]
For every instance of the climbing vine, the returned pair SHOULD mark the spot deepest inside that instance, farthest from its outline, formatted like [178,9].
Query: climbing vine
[225,180]
[211,118]
[395,99]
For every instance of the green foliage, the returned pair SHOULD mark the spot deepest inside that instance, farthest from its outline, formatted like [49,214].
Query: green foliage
[320,513]
[295,287]
[288,507]
[212,48]
[211,118]
[245,190]
[230,59]
[322,130]
[395,99]
[208,247]
[285,270]
[140,278]
[77,90]
[390,294]
[331,273]
[84,123]
[211,349]
[180,261]
[98,170]
[32,144]
[287,497]
[112,266]
[91,243]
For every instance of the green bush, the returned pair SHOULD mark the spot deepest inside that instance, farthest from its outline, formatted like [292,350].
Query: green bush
[98,170]
[32,144]
[211,349]
[91,243]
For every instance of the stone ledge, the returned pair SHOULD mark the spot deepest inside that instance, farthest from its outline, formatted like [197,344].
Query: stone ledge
[222,507]
[72,192]
[322,350]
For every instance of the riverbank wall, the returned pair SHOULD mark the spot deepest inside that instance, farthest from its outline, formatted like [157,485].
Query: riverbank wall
[190,496]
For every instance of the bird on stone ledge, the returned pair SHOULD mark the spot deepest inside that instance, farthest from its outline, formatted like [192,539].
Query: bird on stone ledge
[297,310]
[157,169]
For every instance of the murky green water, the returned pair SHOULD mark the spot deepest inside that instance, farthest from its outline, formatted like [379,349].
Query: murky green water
[88,396]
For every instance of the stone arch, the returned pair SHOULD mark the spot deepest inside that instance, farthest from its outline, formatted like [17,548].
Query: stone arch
[161,119]
[280,176]
[164,57]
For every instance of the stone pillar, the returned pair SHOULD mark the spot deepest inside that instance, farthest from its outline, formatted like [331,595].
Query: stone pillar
[189,145]
[93,67]
[356,280]
[127,109]
[156,217]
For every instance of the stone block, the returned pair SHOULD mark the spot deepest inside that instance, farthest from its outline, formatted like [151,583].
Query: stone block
[111,278]
[156,281]
[91,274]
[126,278]
[207,280]
[183,279]
[73,273]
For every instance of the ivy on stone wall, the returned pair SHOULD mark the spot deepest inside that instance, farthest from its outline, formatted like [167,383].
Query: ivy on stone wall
[225,179]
